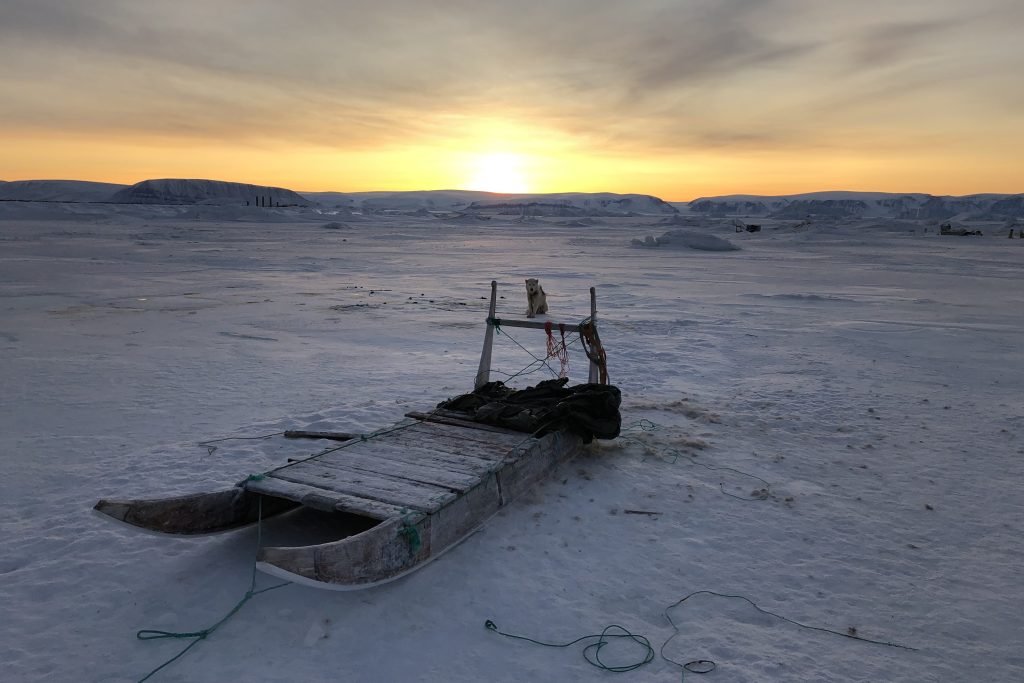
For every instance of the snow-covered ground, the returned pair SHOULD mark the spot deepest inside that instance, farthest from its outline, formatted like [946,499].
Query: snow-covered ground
[871,374]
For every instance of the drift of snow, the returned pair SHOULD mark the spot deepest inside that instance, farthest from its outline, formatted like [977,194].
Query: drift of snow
[869,372]
[687,239]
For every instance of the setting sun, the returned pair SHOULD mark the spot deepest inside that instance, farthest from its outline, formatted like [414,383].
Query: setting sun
[498,173]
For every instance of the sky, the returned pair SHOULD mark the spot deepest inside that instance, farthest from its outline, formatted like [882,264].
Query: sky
[675,98]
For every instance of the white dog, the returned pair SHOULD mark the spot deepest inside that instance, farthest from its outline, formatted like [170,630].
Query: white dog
[536,300]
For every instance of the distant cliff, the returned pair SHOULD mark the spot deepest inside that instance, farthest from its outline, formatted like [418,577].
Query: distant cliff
[865,205]
[181,191]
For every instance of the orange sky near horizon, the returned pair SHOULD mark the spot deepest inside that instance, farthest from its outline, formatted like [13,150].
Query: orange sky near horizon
[674,98]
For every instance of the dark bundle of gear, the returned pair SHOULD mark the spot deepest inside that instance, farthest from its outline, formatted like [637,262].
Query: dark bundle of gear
[589,410]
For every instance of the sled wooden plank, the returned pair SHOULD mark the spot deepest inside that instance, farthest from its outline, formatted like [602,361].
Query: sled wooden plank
[497,435]
[386,453]
[313,473]
[504,439]
[449,419]
[422,497]
[392,468]
[323,500]
[432,441]
[534,324]
[415,453]
[425,436]
[338,490]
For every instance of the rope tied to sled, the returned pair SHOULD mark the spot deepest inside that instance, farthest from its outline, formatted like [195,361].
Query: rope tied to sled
[557,349]
[593,348]
[203,634]
[410,532]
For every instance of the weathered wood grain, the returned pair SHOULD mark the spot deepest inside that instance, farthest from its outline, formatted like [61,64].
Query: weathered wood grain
[434,476]
[401,492]
[505,439]
[415,454]
[449,418]
[450,444]
[319,499]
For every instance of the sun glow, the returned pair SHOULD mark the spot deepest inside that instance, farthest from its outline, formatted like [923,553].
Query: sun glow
[500,172]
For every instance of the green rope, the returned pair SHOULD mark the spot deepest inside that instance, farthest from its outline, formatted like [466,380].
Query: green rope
[592,652]
[762,610]
[151,634]
[211,449]
[410,532]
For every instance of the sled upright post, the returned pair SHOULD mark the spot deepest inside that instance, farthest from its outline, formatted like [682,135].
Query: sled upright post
[595,370]
[483,374]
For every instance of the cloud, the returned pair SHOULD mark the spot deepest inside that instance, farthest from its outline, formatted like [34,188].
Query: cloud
[646,75]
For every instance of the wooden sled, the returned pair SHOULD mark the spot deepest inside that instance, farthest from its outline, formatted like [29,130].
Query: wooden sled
[411,491]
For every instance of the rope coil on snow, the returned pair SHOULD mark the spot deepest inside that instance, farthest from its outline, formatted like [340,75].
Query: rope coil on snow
[592,652]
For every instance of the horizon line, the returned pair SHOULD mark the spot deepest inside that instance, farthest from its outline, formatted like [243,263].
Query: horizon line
[520,194]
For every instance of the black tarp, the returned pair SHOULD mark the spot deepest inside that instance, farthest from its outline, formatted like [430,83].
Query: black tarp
[590,410]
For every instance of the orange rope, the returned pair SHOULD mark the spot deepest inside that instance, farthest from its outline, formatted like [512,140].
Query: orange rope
[594,349]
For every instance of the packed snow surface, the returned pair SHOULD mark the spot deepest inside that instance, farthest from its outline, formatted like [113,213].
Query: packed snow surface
[868,372]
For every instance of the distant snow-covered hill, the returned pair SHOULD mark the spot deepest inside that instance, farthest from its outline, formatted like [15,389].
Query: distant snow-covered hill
[183,191]
[575,204]
[865,205]
[57,191]
[436,200]
[554,204]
